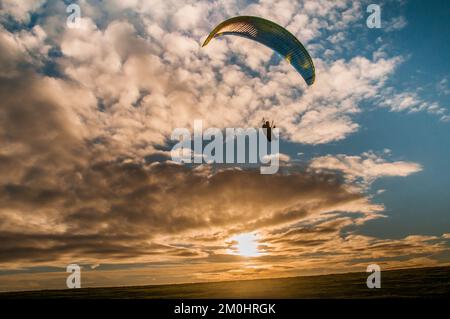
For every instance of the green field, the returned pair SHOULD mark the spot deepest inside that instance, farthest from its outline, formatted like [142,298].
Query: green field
[406,283]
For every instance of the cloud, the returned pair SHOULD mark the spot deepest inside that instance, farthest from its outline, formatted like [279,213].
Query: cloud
[284,158]
[26,47]
[412,103]
[442,87]
[112,210]
[162,66]
[20,10]
[368,166]
[396,23]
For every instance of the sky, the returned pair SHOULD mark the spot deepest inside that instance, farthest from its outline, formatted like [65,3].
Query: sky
[86,116]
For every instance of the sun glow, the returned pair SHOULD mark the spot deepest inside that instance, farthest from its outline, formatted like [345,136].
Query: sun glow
[246,245]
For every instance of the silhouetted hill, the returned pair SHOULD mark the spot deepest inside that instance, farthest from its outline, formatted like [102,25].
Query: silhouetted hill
[405,283]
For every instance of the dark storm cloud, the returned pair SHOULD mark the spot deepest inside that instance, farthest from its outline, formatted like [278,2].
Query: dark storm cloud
[111,209]
[166,198]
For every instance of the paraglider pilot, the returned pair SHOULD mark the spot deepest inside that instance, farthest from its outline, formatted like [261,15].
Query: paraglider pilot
[268,129]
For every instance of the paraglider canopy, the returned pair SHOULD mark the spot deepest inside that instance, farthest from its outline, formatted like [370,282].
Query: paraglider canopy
[271,35]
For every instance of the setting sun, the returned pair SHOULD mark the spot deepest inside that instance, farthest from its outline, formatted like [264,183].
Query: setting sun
[246,245]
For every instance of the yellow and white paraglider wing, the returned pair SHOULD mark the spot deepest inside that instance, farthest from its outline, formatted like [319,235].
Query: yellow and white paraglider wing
[273,36]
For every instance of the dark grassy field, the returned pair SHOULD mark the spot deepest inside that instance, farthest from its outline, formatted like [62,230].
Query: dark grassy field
[407,283]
